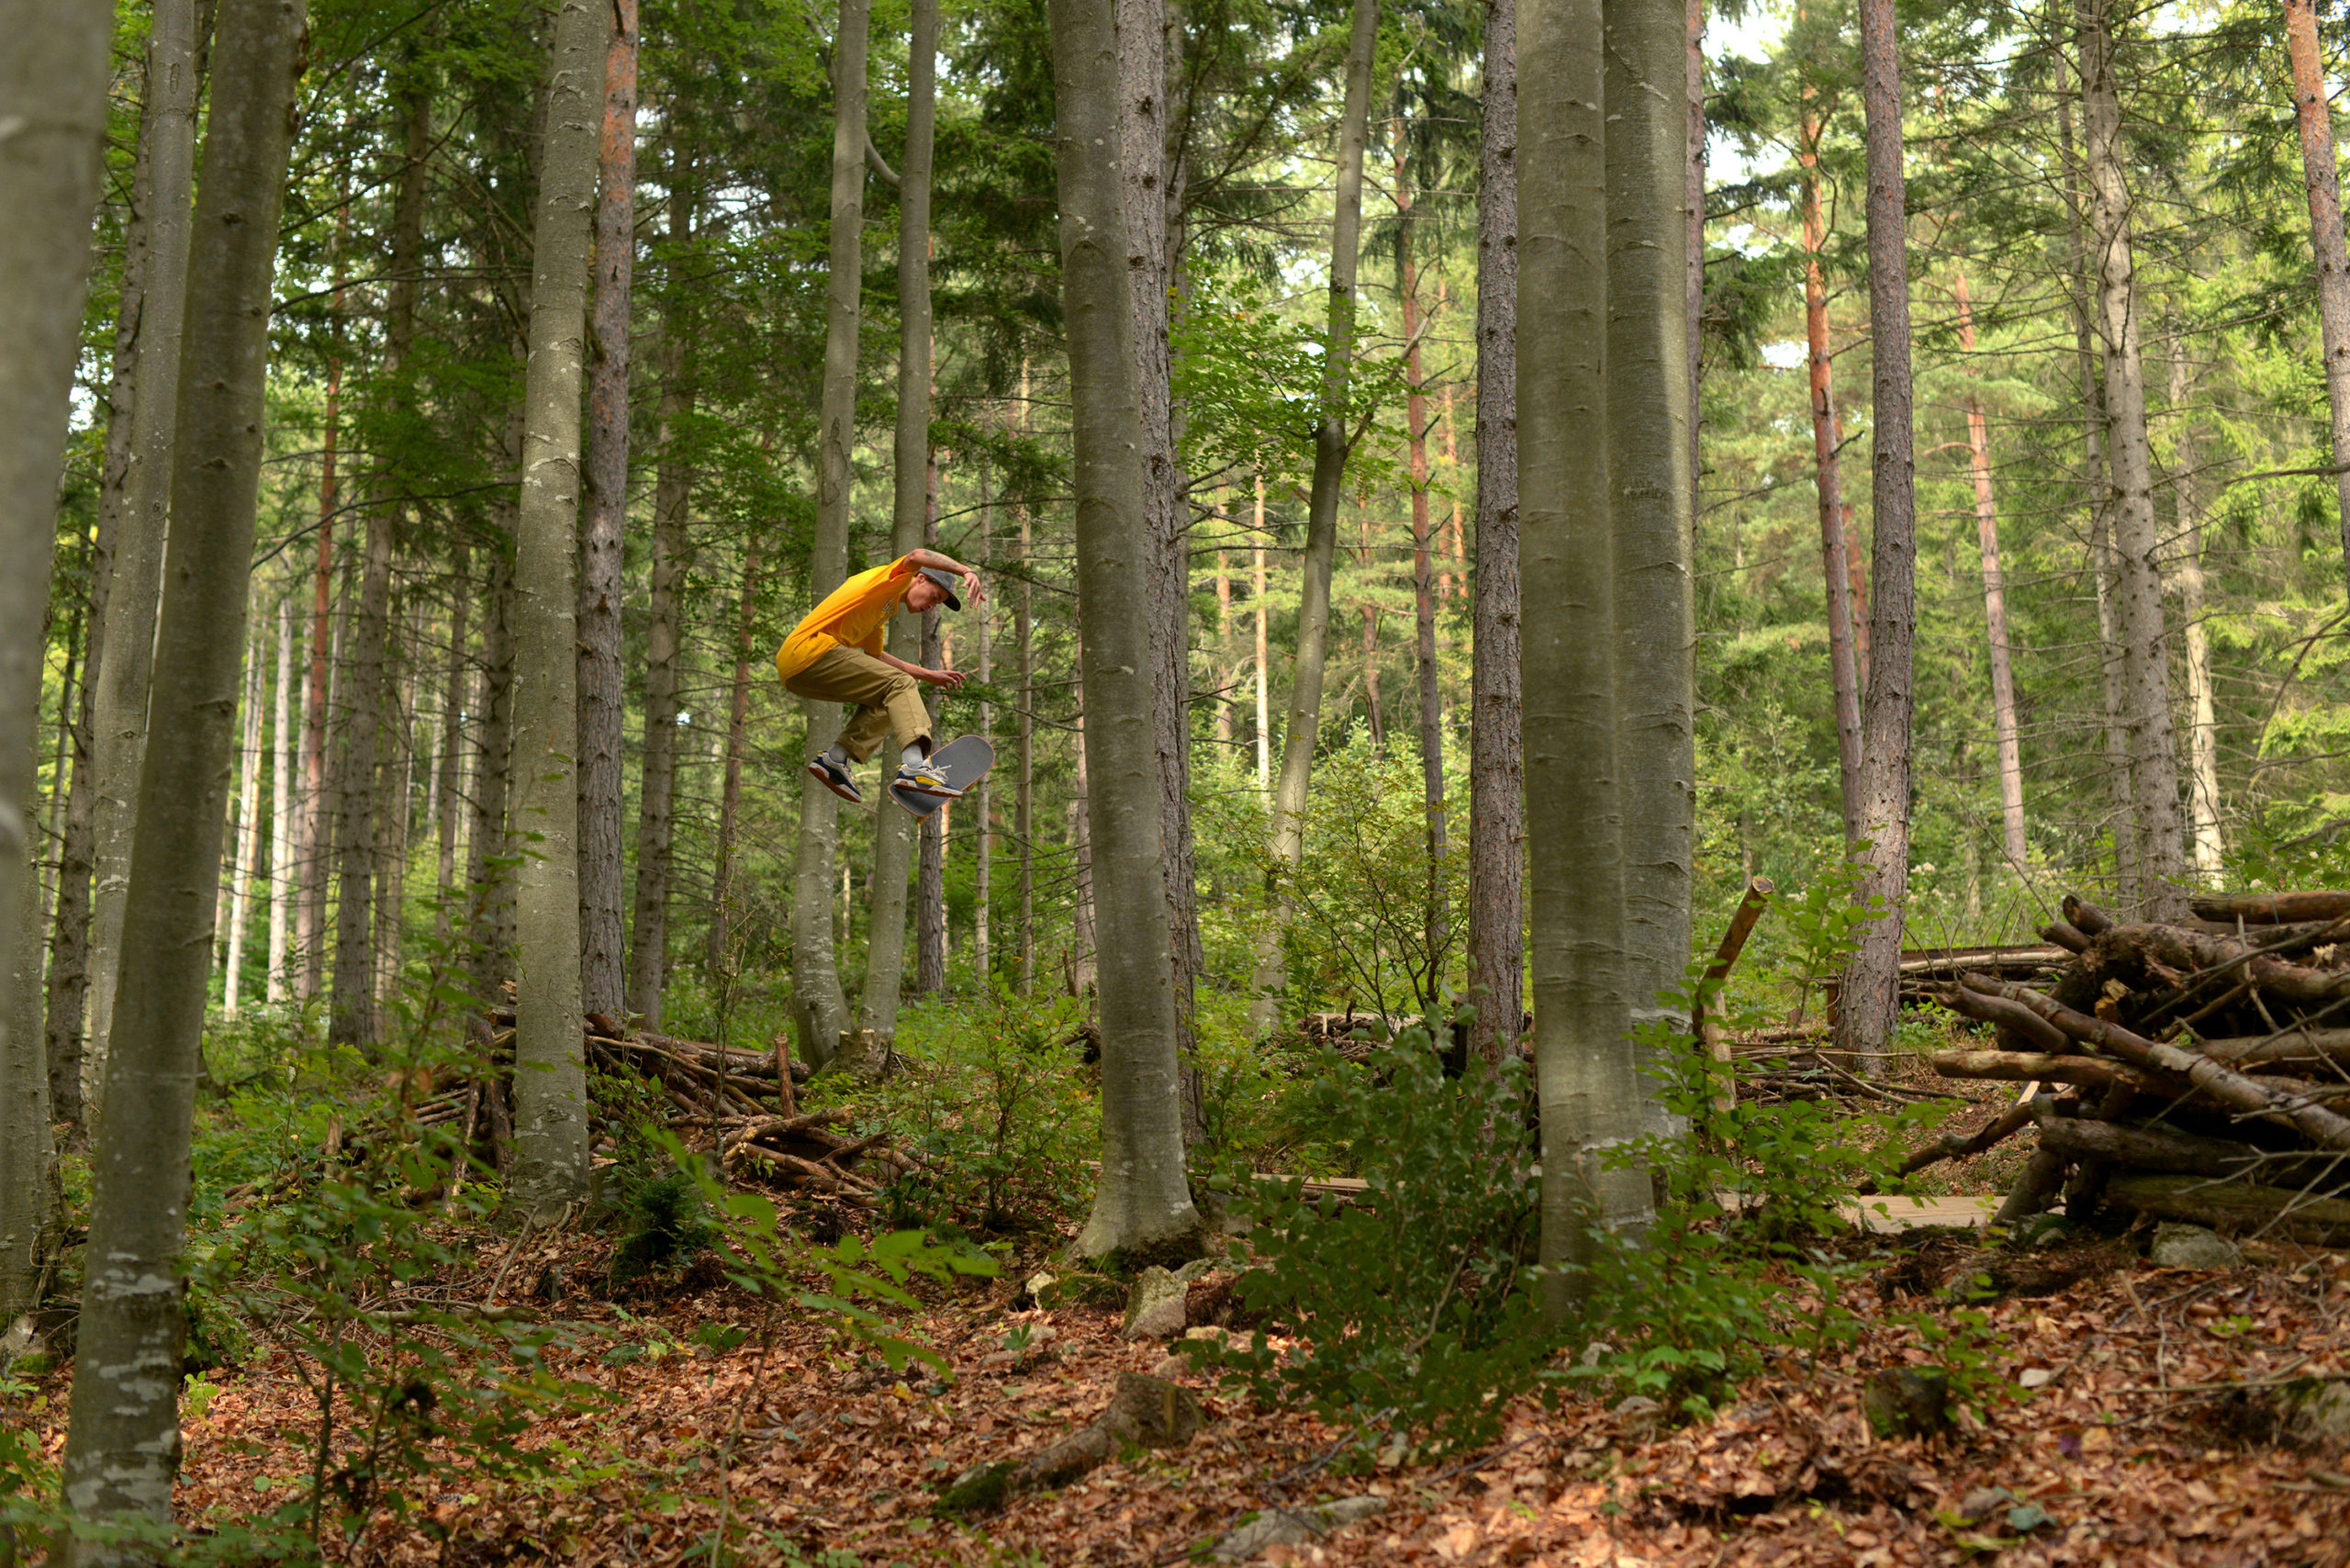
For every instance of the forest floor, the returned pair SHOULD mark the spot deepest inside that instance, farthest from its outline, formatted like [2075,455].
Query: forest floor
[2150,1438]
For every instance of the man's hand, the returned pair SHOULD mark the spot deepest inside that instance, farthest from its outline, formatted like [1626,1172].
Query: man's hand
[971,589]
[951,679]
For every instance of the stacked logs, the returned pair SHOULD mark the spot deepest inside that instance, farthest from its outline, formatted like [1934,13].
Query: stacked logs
[2197,1070]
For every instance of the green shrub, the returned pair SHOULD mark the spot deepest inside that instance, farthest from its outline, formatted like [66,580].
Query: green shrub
[1409,1305]
[668,1222]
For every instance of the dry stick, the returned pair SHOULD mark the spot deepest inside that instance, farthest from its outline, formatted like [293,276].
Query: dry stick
[2065,935]
[2087,917]
[2312,1122]
[1702,1024]
[2035,1067]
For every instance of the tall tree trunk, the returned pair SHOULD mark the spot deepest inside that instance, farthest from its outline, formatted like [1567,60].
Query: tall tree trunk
[1994,608]
[2137,537]
[1693,85]
[249,767]
[549,1078]
[603,933]
[885,961]
[1496,752]
[665,629]
[1082,946]
[1436,919]
[730,801]
[1331,442]
[127,660]
[281,807]
[2323,178]
[2203,733]
[1585,1062]
[1264,711]
[53,74]
[1835,566]
[1225,674]
[1870,1000]
[930,863]
[122,1443]
[311,851]
[1023,799]
[488,873]
[820,1010]
[982,796]
[1648,465]
[352,1020]
[395,778]
[452,711]
[1142,1198]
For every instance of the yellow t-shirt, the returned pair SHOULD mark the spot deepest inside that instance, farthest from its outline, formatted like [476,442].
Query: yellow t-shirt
[851,617]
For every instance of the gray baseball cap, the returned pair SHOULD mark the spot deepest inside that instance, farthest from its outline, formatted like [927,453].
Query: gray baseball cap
[944,579]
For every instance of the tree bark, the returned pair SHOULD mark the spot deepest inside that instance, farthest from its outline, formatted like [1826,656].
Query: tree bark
[2321,178]
[2203,728]
[126,659]
[1870,1000]
[1142,1198]
[665,630]
[1264,711]
[122,1444]
[738,713]
[352,1019]
[395,778]
[1024,801]
[53,74]
[549,1078]
[1585,1061]
[310,851]
[1835,549]
[488,868]
[1649,437]
[1693,85]
[820,1011]
[1994,609]
[281,807]
[885,961]
[453,695]
[1496,756]
[1332,441]
[1434,918]
[2137,537]
[983,796]
[249,767]
[930,861]
[603,535]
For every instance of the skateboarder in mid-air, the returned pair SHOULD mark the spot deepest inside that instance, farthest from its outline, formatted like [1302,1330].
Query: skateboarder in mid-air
[835,656]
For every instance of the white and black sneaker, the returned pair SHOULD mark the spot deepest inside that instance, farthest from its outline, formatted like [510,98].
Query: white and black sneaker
[835,777]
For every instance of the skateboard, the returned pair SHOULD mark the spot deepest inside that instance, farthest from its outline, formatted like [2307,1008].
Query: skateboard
[964,762]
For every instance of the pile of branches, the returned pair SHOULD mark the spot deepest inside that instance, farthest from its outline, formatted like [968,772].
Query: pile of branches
[742,1104]
[2196,1071]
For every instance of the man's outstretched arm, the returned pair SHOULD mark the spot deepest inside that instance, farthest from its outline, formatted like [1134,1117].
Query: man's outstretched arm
[948,564]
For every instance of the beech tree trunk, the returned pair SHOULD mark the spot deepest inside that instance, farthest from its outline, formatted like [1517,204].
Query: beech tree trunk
[1496,753]
[1835,565]
[453,696]
[1649,437]
[281,808]
[54,74]
[549,1078]
[249,767]
[893,836]
[1585,1061]
[2136,534]
[730,800]
[2203,729]
[672,554]
[603,933]
[488,873]
[1142,1198]
[1023,799]
[820,1011]
[1870,1000]
[1332,441]
[1994,609]
[310,851]
[127,658]
[983,797]
[1693,85]
[1434,918]
[1264,714]
[2323,178]
[122,1442]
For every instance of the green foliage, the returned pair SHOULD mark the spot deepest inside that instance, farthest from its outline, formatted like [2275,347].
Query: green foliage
[1409,1305]
[666,1223]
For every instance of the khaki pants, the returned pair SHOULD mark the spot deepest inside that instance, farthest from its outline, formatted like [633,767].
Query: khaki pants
[886,699]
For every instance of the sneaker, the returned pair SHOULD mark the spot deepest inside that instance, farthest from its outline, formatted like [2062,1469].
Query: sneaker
[922,779]
[833,777]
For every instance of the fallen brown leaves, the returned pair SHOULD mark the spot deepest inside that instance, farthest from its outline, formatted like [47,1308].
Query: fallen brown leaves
[2141,1444]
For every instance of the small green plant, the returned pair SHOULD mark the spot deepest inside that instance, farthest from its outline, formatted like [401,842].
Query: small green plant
[668,1222]
[1410,1303]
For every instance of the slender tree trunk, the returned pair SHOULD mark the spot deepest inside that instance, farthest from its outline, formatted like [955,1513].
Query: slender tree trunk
[395,778]
[54,75]
[281,807]
[665,630]
[930,866]
[1496,751]
[353,1020]
[730,801]
[1224,674]
[68,977]
[1648,439]
[488,873]
[127,660]
[2137,537]
[1994,608]
[249,766]
[982,796]
[122,1447]
[603,529]
[1264,714]
[1142,1198]
[1331,443]
[453,712]
[1081,946]
[2323,178]
[1856,573]
[1693,83]
[2203,733]
[1835,569]
[1870,1001]
[1436,919]
[1585,1065]
[550,1079]
[893,835]
[820,1011]
[1023,799]
[311,852]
